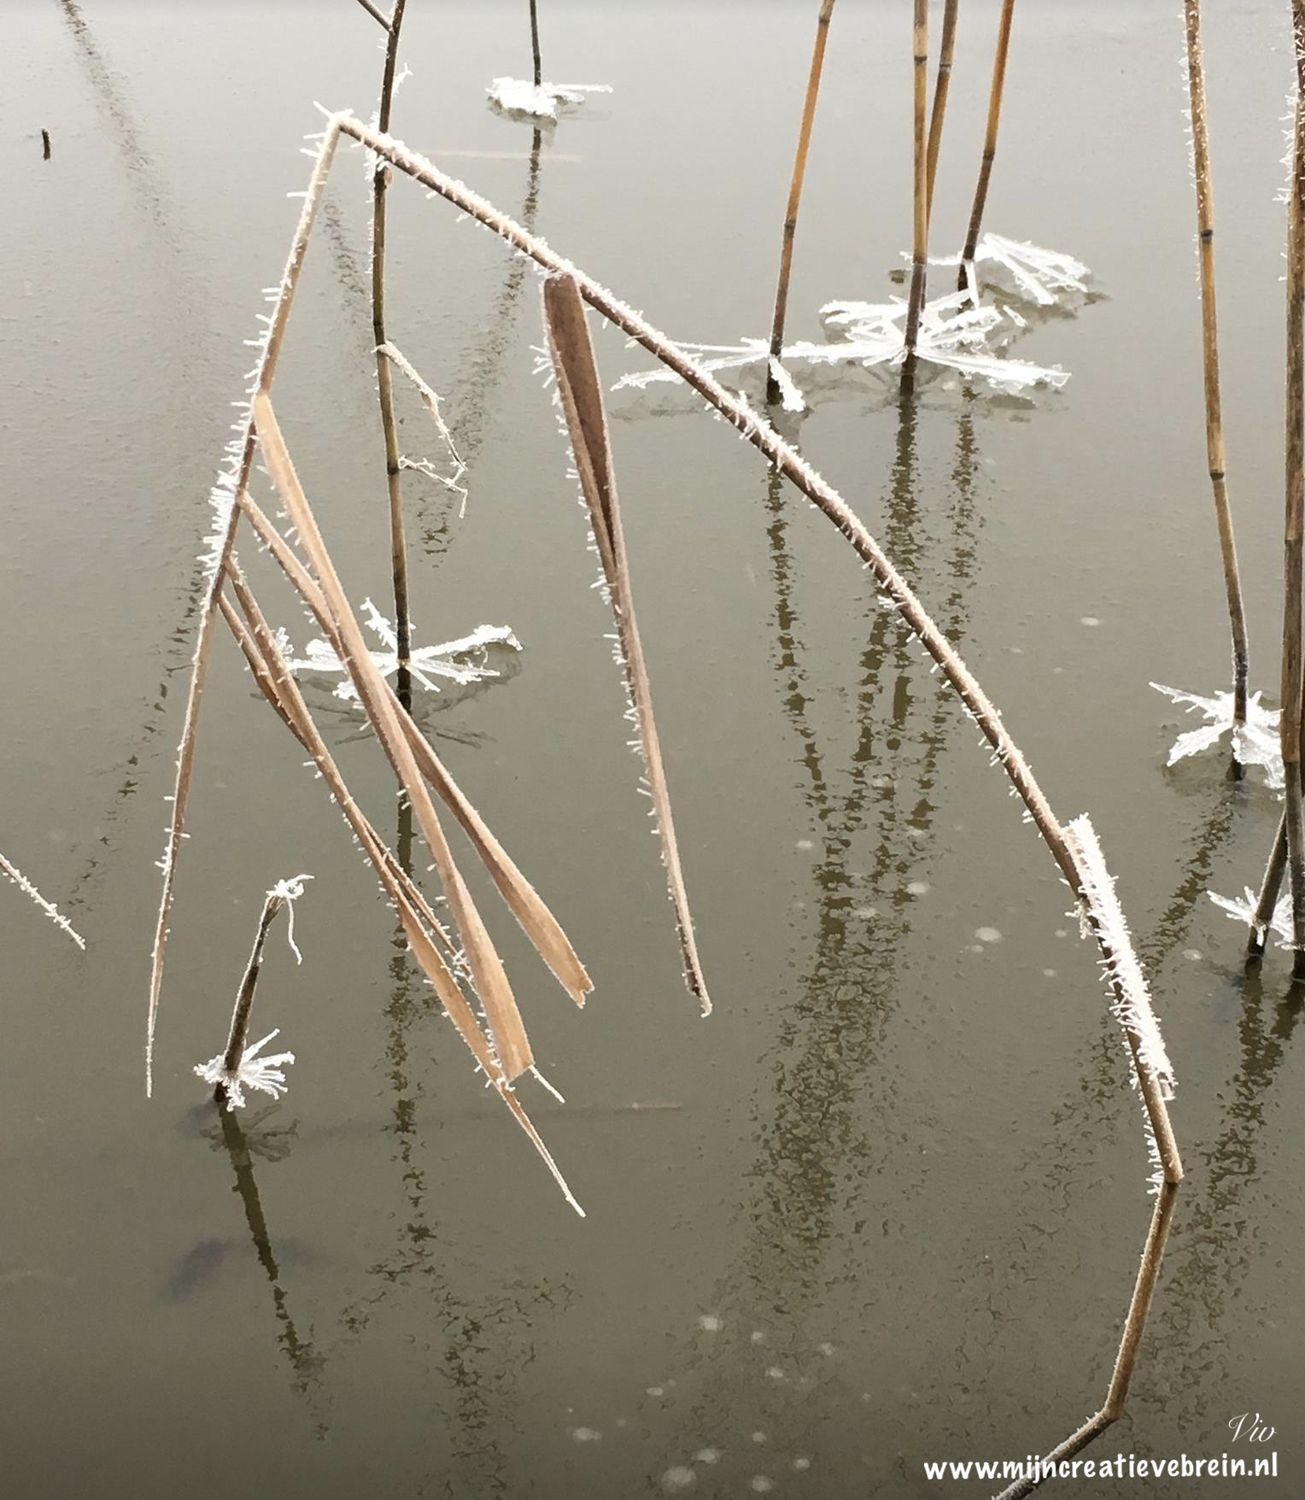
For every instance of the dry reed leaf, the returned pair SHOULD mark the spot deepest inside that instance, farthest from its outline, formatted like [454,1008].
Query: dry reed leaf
[490,980]
[536,920]
[582,404]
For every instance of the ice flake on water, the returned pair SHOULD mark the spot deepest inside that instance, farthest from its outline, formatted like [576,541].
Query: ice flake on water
[917,887]
[1256,743]
[266,1074]
[518,96]
[1244,911]
[707,1456]
[463,660]
[801,1465]
[987,934]
[1044,277]
[709,1323]
[678,1478]
[761,1484]
[586,1435]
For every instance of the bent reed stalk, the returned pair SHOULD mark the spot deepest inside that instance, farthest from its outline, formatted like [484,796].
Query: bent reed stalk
[989,143]
[942,83]
[755,430]
[795,196]
[238,1036]
[384,385]
[1214,440]
[920,188]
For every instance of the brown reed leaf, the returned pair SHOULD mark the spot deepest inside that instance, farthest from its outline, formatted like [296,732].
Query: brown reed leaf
[582,403]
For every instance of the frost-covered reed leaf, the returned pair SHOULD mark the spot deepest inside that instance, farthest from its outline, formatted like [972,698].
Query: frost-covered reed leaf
[12,872]
[266,1074]
[490,979]
[463,660]
[582,405]
[1255,743]
[1046,278]
[1245,911]
[539,101]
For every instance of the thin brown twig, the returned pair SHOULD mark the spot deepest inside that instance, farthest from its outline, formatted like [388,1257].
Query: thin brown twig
[989,142]
[795,195]
[374,14]
[920,189]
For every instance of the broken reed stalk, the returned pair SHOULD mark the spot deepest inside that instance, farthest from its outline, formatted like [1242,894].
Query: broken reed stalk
[13,873]
[227,517]
[1294,521]
[920,189]
[1269,888]
[795,197]
[586,419]
[238,1037]
[417,919]
[1125,1359]
[45,145]
[384,388]
[946,48]
[989,143]
[431,401]
[534,45]
[374,13]
[757,431]
[1214,441]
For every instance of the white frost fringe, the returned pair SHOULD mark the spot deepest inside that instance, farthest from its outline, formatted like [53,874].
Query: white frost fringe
[521,97]
[48,907]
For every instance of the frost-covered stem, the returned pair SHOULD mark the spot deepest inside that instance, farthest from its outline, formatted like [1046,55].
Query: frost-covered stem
[1214,442]
[534,44]
[238,1037]
[989,142]
[795,194]
[208,617]
[1130,1341]
[946,47]
[384,387]
[48,907]
[374,13]
[1294,523]
[815,487]
[920,189]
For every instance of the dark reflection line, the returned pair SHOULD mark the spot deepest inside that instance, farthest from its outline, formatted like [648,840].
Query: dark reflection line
[815,1158]
[306,1363]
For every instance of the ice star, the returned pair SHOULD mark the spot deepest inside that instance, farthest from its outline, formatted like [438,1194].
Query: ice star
[267,1074]
[1244,911]
[1255,743]
[539,100]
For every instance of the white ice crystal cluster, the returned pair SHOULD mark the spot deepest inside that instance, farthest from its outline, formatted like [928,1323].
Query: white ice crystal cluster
[1255,743]
[539,101]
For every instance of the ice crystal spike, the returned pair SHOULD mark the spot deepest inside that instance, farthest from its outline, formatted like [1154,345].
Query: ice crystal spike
[518,96]
[1043,277]
[266,1074]
[463,660]
[13,873]
[1245,911]
[1255,743]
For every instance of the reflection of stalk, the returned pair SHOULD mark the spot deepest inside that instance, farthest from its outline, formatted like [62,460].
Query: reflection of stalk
[384,389]
[989,142]
[1210,336]
[920,193]
[795,193]
[946,47]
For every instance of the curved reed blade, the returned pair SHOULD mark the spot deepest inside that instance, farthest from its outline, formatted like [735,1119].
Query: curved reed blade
[490,979]
[582,404]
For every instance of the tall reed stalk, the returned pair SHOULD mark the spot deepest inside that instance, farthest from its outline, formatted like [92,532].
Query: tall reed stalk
[920,188]
[946,48]
[795,196]
[1294,521]
[384,386]
[989,143]
[534,45]
[1214,441]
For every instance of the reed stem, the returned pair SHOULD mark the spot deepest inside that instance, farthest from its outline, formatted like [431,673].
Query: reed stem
[374,13]
[534,44]
[1214,440]
[238,1037]
[946,47]
[920,191]
[384,383]
[989,143]
[795,195]
[1294,523]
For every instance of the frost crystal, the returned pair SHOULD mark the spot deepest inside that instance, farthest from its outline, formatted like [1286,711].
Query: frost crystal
[267,1074]
[1244,911]
[539,101]
[1256,743]
[1037,275]
[463,660]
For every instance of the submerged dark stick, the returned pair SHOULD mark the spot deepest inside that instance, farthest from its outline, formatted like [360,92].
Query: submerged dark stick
[1214,443]
[534,43]
[942,83]
[1294,521]
[989,143]
[795,194]
[920,237]
[384,385]
[45,145]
